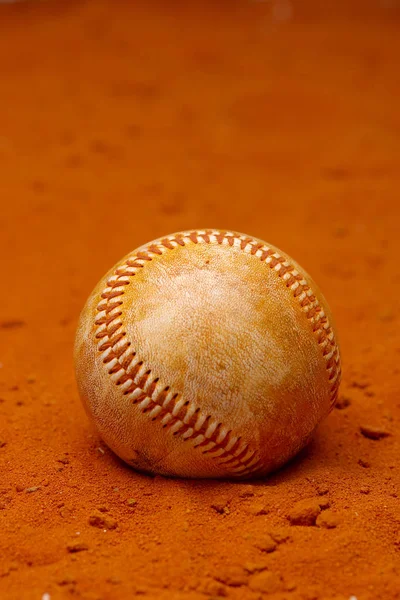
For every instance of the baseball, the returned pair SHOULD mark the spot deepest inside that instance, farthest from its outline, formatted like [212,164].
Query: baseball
[207,353]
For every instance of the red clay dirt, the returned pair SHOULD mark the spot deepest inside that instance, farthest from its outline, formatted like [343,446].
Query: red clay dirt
[122,122]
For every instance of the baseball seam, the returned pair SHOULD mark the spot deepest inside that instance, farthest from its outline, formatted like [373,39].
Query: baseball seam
[160,402]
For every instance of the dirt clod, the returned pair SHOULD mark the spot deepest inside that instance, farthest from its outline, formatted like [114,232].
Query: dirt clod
[266,582]
[67,580]
[280,535]
[221,506]
[102,521]
[324,503]
[114,580]
[247,491]
[74,547]
[12,324]
[256,509]
[266,543]
[327,520]
[212,588]
[373,433]
[342,402]
[232,576]
[65,512]
[255,567]
[305,512]
[322,490]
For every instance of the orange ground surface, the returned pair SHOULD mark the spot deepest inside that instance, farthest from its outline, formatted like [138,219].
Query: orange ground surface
[121,122]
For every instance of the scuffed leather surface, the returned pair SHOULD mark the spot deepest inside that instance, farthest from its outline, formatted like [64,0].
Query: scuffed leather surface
[220,327]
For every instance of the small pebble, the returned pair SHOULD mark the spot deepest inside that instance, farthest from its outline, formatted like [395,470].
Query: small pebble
[2,443]
[30,490]
[364,463]
[131,502]
[364,489]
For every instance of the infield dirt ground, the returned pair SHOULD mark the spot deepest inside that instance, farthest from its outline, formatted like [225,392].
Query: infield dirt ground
[121,122]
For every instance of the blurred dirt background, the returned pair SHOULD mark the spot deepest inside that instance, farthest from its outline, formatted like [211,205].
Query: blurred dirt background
[121,122]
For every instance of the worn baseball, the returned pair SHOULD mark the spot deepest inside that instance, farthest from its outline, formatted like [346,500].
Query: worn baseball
[207,354]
